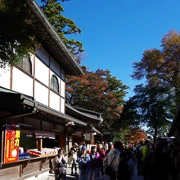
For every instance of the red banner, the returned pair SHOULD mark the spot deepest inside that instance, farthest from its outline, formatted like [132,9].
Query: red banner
[11,152]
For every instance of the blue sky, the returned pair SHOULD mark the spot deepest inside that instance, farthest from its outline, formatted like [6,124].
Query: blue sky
[115,33]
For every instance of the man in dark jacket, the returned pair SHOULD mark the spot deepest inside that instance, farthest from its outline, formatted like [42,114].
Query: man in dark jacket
[158,164]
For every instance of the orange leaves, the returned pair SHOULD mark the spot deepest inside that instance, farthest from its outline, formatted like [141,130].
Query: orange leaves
[97,91]
[135,136]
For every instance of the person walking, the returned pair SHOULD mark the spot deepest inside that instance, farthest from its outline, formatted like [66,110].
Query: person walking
[131,162]
[159,165]
[72,158]
[102,156]
[145,149]
[139,158]
[94,164]
[84,164]
[112,159]
[110,147]
[123,167]
[60,165]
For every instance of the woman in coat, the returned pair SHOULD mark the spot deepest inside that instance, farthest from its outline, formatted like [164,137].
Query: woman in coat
[94,164]
[60,165]
[84,164]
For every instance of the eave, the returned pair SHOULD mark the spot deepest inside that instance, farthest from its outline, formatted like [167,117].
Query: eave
[20,105]
[87,116]
[52,42]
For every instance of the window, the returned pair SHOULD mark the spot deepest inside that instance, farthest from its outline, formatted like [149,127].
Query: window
[54,83]
[26,65]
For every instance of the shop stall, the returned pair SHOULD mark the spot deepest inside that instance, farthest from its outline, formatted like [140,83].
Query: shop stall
[20,155]
[31,134]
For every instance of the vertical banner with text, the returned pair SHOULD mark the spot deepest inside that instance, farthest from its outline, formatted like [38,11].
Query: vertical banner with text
[11,152]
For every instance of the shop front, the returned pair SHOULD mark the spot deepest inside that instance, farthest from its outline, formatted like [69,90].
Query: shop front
[31,134]
[33,121]
[22,152]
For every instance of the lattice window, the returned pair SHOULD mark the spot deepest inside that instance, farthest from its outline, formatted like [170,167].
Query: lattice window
[54,83]
[26,64]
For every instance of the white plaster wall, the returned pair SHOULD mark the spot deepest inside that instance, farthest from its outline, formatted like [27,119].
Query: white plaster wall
[54,66]
[62,105]
[41,93]
[21,82]
[43,55]
[54,101]
[5,77]
[41,72]
[62,88]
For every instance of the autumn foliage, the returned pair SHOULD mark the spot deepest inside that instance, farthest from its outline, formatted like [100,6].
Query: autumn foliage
[135,136]
[97,91]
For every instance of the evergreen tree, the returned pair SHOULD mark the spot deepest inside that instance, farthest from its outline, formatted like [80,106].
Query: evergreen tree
[16,33]
[63,26]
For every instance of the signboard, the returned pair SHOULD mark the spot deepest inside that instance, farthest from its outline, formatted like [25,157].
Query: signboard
[77,133]
[11,152]
[44,134]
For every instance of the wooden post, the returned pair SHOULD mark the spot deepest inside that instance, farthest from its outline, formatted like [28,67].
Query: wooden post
[2,147]
[40,144]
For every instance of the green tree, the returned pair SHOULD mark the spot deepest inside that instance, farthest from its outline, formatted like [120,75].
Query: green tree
[98,91]
[63,26]
[127,121]
[154,107]
[16,33]
[129,116]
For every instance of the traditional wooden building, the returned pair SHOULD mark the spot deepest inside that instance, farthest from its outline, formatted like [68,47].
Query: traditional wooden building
[34,118]
[90,131]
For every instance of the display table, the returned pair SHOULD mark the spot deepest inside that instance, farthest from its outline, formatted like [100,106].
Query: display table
[25,168]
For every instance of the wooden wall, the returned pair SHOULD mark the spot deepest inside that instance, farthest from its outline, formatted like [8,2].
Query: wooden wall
[25,168]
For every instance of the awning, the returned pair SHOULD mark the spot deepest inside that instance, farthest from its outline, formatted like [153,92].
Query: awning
[19,105]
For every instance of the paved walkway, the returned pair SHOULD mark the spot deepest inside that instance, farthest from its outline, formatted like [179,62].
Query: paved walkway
[49,176]
[136,176]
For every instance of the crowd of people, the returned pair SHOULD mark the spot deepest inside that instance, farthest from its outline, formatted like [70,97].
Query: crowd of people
[115,161]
